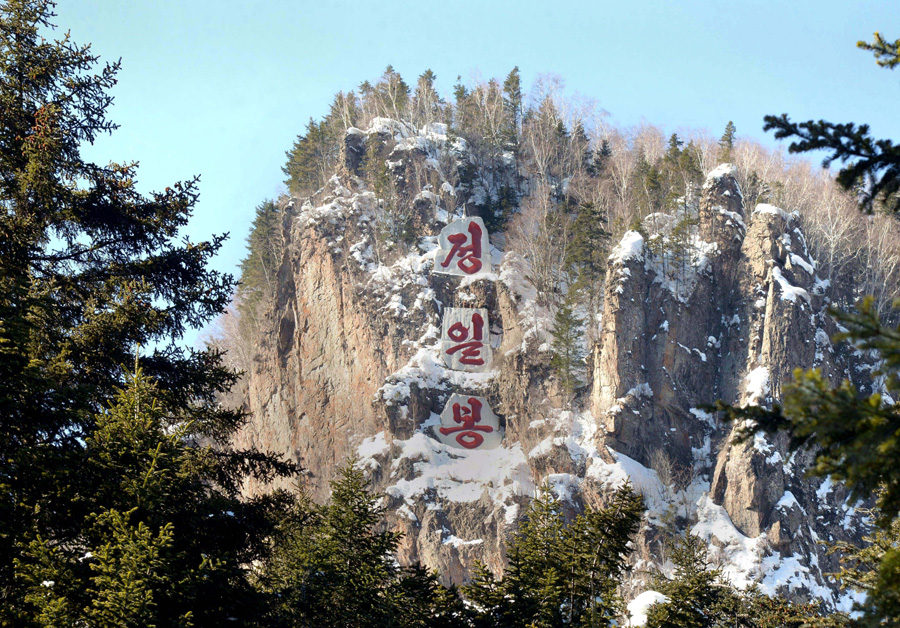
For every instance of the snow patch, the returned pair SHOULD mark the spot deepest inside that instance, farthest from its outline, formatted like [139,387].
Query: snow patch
[757,385]
[789,292]
[640,606]
[631,247]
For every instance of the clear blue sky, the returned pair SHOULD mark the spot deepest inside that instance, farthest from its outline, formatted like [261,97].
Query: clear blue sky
[222,88]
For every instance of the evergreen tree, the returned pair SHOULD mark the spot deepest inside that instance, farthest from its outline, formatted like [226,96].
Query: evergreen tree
[874,569]
[689,167]
[651,187]
[513,89]
[155,545]
[699,597]
[559,575]
[567,355]
[335,566]
[871,167]
[312,159]
[587,253]
[427,105]
[344,112]
[258,268]
[695,592]
[392,94]
[89,270]
[394,223]
[726,143]
[500,208]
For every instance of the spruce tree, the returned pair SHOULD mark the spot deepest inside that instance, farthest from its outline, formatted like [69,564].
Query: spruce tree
[726,143]
[154,545]
[700,597]
[427,106]
[871,166]
[312,158]
[333,565]
[89,270]
[259,267]
[694,591]
[567,354]
[513,109]
[559,575]
[587,253]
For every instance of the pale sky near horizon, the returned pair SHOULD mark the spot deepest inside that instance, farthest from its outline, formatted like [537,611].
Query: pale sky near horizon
[223,88]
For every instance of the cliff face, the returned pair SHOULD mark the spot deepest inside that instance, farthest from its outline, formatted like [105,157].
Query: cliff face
[350,366]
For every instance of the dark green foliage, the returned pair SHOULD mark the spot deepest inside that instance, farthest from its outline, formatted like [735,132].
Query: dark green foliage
[90,270]
[392,94]
[680,172]
[154,545]
[500,209]
[696,594]
[258,268]
[871,167]
[395,220]
[699,597]
[334,566]
[427,105]
[312,159]
[652,192]
[344,112]
[874,568]
[726,143]
[560,575]
[512,88]
[587,253]
[567,355]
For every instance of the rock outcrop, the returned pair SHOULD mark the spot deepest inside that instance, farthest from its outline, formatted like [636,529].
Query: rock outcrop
[349,366]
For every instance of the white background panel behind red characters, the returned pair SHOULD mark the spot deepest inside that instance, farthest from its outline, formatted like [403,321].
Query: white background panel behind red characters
[482,434]
[458,265]
[458,351]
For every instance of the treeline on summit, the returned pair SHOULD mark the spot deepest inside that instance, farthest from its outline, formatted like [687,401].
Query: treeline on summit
[554,176]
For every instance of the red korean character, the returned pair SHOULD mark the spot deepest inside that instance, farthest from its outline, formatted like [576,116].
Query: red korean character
[470,255]
[469,415]
[471,351]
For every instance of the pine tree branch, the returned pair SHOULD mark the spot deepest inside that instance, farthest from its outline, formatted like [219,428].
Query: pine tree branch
[873,166]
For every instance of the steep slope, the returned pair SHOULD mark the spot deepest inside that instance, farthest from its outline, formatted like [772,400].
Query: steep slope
[350,366]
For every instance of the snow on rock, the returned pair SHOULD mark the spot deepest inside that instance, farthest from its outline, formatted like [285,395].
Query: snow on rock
[741,555]
[631,247]
[757,385]
[719,172]
[640,606]
[645,481]
[802,263]
[789,572]
[789,292]
[456,475]
[455,541]
[398,130]
[765,208]
[535,319]
[373,447]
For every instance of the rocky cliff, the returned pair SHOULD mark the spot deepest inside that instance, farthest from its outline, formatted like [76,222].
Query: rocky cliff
[349,366]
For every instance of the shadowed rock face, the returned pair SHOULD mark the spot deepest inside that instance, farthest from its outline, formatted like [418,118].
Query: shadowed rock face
[348,366]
